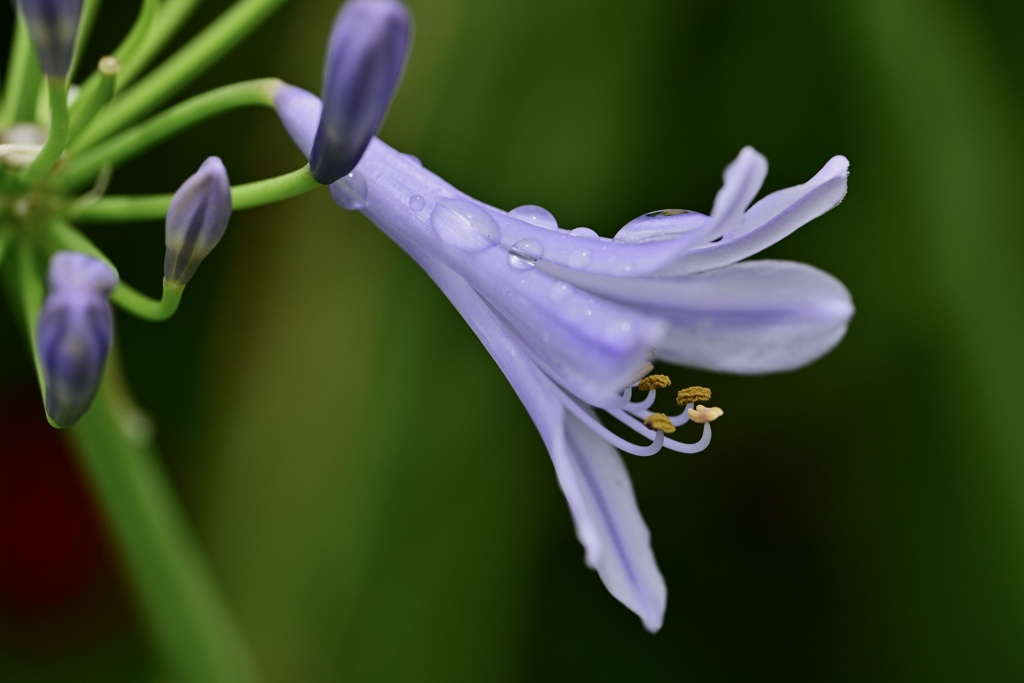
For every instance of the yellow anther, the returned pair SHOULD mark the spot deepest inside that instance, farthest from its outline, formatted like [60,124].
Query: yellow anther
[660,422]
[703,414]
[652,382]
[692,395]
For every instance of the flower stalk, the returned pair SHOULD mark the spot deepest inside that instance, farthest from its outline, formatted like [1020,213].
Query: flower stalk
[195,635]
[186,64]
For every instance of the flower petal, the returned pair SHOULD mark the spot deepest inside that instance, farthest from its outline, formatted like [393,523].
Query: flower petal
[741,182]
[771,219]
[594,346]
[625,562]
[590,472]
[747,318]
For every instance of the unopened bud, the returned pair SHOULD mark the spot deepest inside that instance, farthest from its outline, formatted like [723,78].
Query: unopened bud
[365,57]
[196,220]
[52,24]
[74,332]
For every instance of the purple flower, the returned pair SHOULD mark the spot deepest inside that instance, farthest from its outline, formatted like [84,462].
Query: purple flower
[365,57]
[52,25]
[74,332]
[196,220]
[574,319]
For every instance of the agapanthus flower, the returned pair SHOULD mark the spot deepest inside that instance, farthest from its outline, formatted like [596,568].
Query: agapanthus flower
[574,320]
[74,333]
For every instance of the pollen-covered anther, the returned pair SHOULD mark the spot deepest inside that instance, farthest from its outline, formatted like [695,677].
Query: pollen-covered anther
[661,422]
[653,383]
[703,414]
[693,395]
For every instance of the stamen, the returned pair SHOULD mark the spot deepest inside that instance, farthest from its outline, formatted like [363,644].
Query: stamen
[642,372]
[660,422]
[653,383]
[680,447]
[641,406]
[591,421]
[704,415]
[693,395]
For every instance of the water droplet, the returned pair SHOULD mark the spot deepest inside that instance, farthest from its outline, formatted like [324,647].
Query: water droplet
[535,215]
[660,225]
[525,253]
[416,202]
[350,192]
[413,159]
[464,224]
[580,258]
[582,232]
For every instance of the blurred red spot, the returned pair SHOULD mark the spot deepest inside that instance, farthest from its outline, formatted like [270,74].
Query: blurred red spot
[50,544]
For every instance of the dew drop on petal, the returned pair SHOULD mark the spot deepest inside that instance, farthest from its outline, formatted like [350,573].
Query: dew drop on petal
[464,224]
[350,192]
[582,232]
[416,202]
[660,225]
[524,253]
[535,215]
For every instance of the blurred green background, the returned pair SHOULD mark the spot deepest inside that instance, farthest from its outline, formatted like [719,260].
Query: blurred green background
[376,503]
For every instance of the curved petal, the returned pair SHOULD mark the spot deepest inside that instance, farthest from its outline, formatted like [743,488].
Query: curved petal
[741,181]
[590,472]
[626,562]
[748,318]
[771,219]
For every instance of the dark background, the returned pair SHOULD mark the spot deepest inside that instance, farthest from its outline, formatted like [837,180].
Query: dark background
[374,499]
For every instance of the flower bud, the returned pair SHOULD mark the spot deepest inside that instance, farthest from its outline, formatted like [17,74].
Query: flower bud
[196,220]
[52,25]
[74,332]
[364,63]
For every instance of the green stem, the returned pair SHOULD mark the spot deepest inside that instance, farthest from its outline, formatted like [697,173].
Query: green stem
[181,68]
[154,207]
[60,129]
[172,14]
[62,235]
[94,91]
[6,239]
[82,168]
[23,76]
[91,101]
[142,306]
[29,281]
[190,624]
[90,9]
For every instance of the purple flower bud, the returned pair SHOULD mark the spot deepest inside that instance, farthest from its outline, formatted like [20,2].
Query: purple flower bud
[74,332]
[52,25]
[196,220]
[364,63]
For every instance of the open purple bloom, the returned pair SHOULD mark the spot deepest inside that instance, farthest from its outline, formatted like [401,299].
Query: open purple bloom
[365,58]
[52,24]
[74,332]
[574,319]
